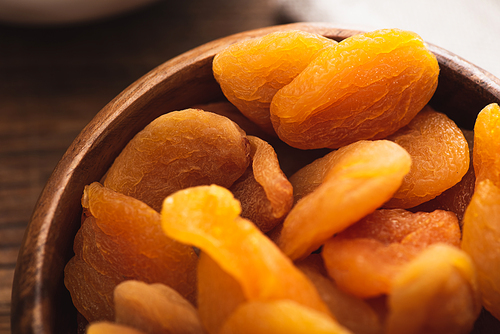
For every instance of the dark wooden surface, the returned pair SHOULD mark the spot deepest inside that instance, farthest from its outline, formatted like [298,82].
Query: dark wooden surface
[53,80]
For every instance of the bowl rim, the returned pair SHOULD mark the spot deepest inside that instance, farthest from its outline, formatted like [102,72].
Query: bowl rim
[34,274]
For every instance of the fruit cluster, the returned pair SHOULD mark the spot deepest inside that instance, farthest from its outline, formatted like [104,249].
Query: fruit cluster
[322,196]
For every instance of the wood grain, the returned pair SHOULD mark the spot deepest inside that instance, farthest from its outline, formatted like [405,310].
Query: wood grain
[54,79]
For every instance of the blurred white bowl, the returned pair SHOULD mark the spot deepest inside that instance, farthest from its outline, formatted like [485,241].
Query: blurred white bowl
[63,11]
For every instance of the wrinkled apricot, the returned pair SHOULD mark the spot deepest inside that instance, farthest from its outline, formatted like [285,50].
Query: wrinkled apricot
[178,150]
[440,158]
[250,72]
[481,240]
[123,239]
[265,193]
[457,198]
[364,259]
[91,292]
[208,217]
[435,293]
[279,317]
[365,87]
[487,145]
[362,177]
[351,312]
[154,308]
[219,294]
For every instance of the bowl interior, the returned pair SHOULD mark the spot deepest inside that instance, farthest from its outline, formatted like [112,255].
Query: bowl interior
[40,302]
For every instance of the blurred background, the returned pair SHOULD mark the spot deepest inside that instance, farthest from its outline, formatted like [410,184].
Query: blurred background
[62,61]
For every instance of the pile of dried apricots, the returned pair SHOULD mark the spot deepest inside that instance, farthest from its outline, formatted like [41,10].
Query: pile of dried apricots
[218,219]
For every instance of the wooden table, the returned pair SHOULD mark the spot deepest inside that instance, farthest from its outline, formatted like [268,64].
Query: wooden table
[53,80]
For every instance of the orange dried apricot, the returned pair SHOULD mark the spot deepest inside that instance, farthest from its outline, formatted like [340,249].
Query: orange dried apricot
[364,259]
[265,193]
[365,87]
[481,227]
[481,240]
[440,158]
[208,217]
[91,292]
[154,308]
[486,151]
[457,198]
[219,294]
[123,239]
[250,72]
[279,317]
[134,229]
[351,312]
[362,177]
[178,150]
[435,293]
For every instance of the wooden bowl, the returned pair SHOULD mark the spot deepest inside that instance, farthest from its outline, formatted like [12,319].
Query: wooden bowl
[40,302]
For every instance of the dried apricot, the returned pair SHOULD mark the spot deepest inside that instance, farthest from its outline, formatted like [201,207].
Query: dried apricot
[279,317]
[123,239]
[457,198]
[486,151]
[91,292]
[362,177]
[219,294]
[440,158]
[208,217]
[179,150]
[365,87]
[265,193]
[154,308]
[364,259]
[250,72]
[481,240]
[435,293]
[351,312]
